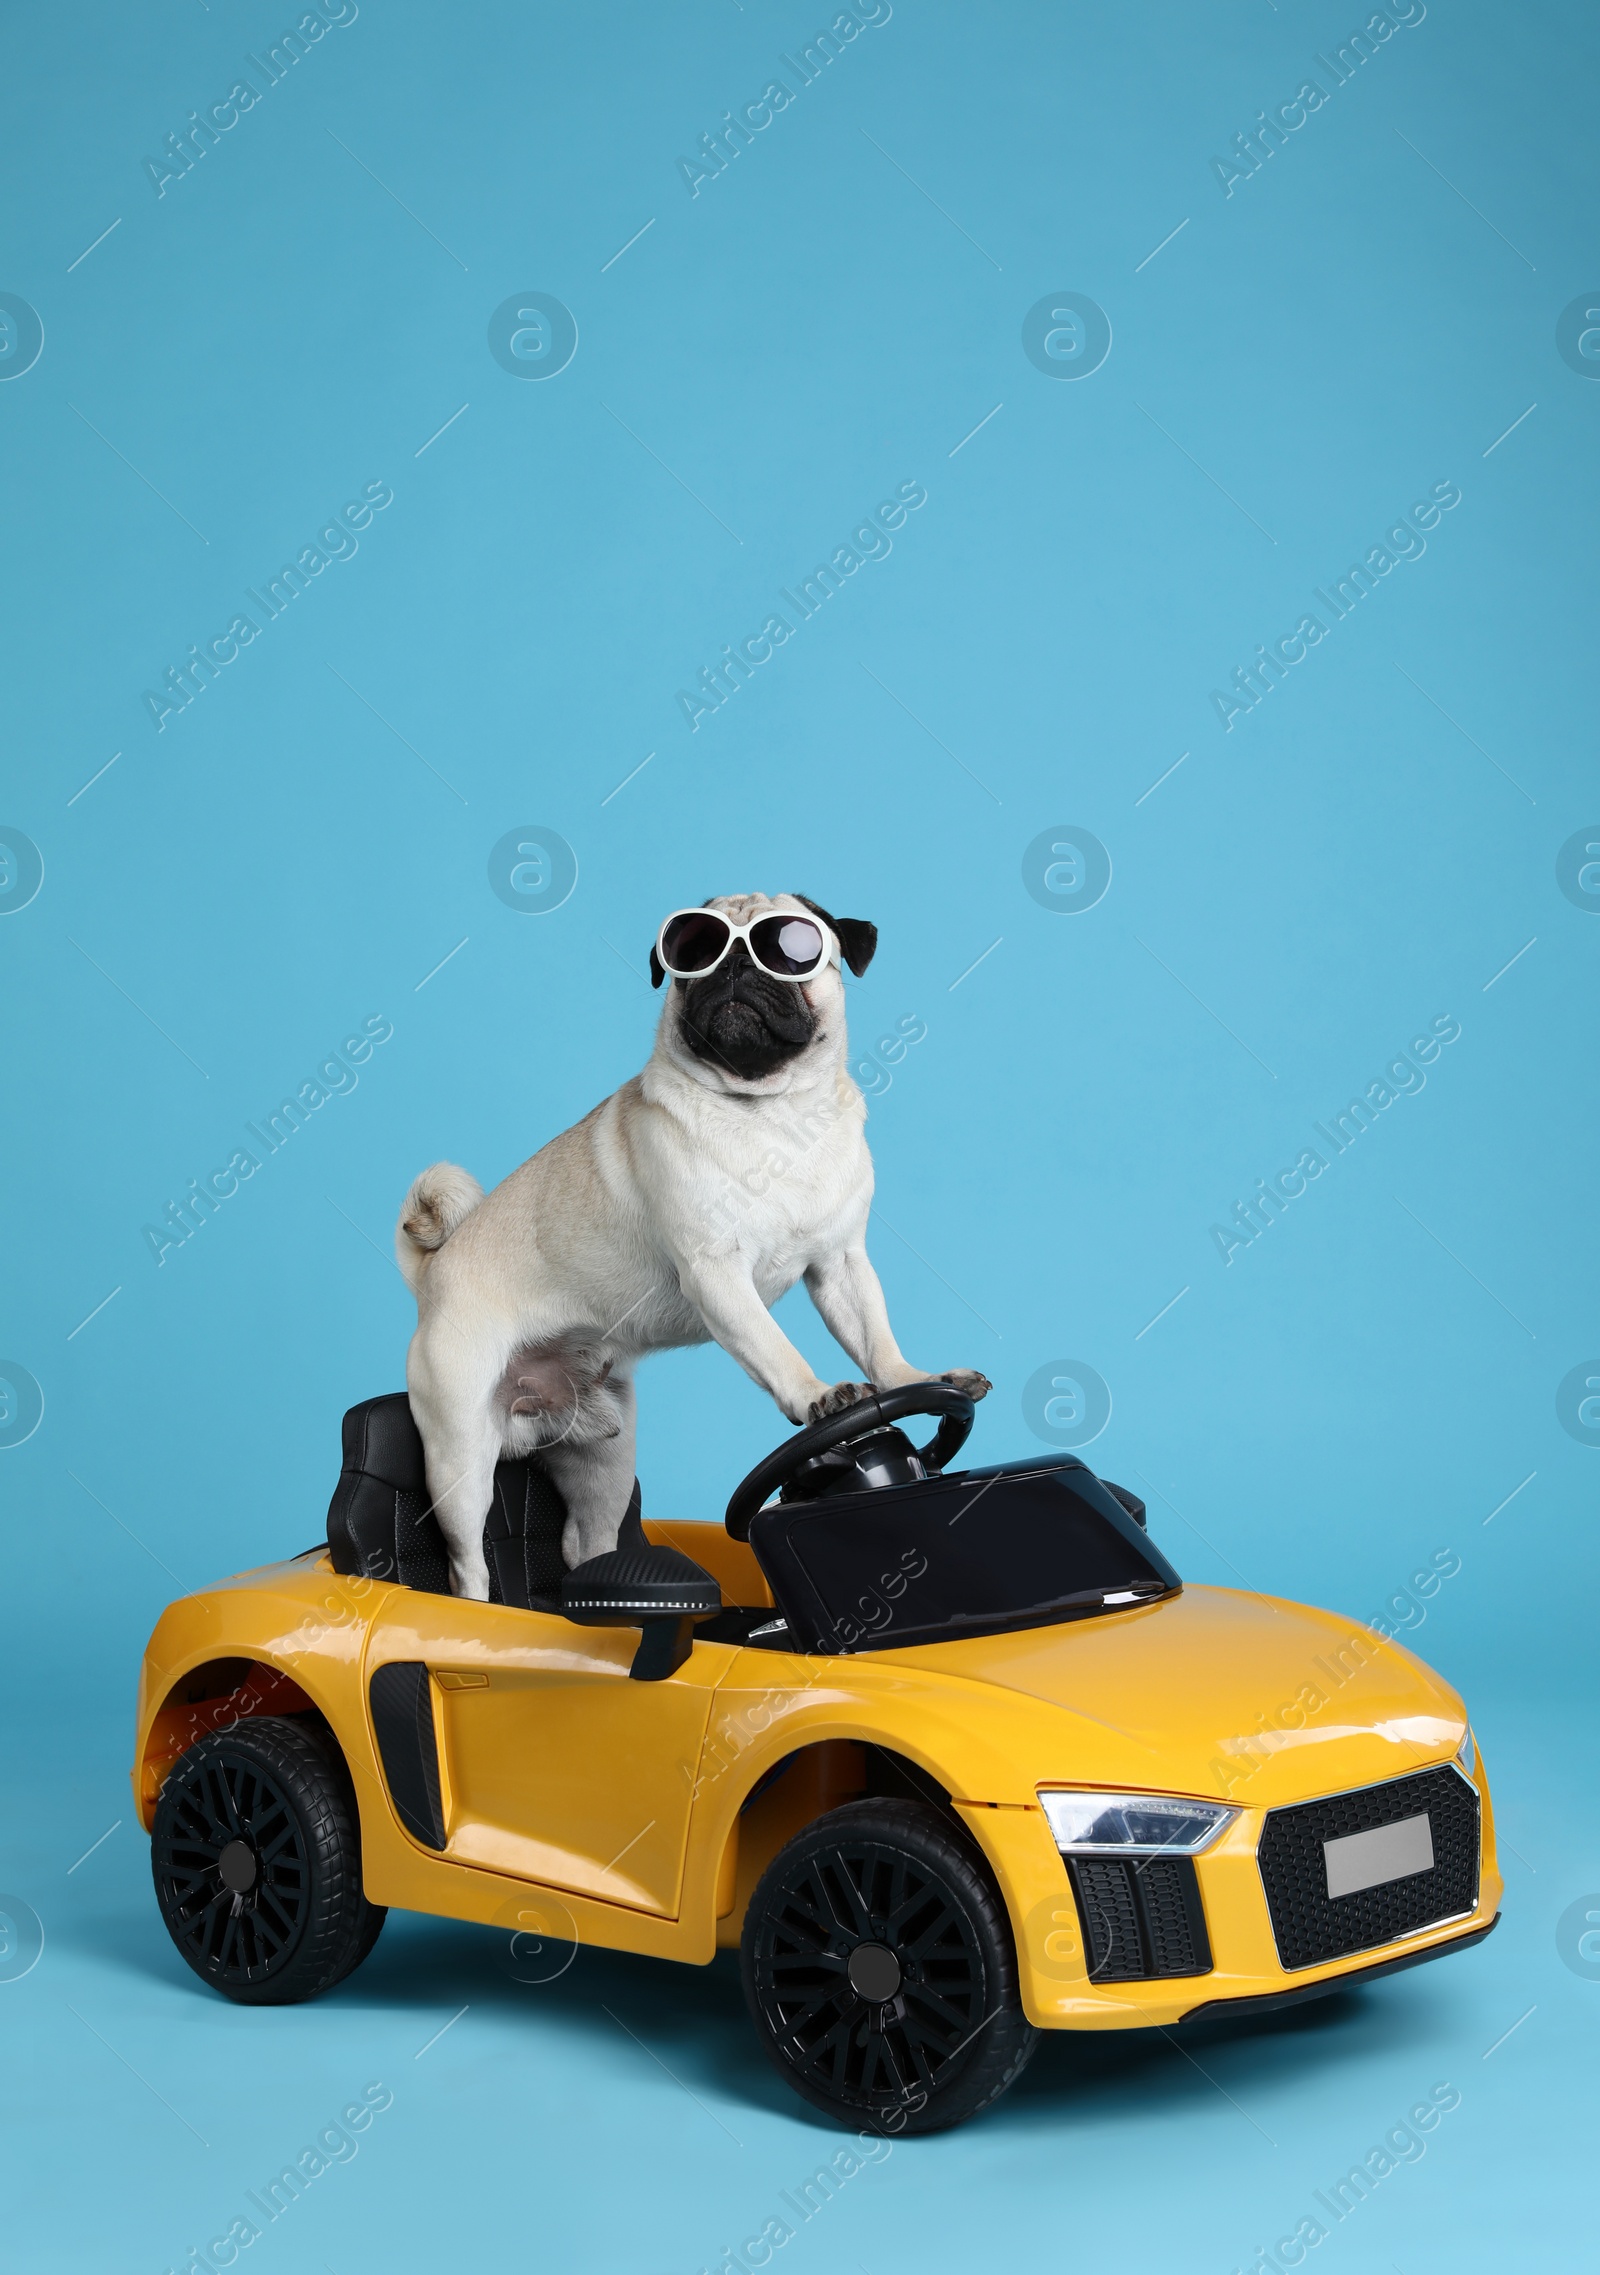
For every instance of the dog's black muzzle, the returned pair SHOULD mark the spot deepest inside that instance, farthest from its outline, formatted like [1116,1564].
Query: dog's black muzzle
[742,1020]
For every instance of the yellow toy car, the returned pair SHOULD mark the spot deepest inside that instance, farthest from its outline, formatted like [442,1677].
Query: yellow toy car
[951,1757]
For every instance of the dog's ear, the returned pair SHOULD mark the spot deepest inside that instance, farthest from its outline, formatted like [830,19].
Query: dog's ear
[657,969]
[858,940]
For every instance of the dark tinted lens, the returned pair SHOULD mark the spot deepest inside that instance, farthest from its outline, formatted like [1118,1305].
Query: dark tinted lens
[792,945]
[693,943]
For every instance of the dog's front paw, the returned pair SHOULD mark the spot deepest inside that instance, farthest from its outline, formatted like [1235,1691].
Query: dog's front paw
[835,1401]
[968,1379]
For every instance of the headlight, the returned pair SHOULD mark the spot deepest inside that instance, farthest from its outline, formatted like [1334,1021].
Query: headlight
[1467,1753]
[1133,1824]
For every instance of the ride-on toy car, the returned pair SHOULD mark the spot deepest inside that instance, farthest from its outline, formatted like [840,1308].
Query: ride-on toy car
[951,1757]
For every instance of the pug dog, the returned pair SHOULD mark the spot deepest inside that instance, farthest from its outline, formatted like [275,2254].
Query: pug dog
[677,1212]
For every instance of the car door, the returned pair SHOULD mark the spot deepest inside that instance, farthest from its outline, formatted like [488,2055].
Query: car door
[553,1765]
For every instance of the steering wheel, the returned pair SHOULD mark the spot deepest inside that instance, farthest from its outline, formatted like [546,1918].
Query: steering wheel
[954,1408]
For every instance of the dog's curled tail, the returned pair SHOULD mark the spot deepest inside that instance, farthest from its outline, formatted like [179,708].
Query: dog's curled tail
[430,1212]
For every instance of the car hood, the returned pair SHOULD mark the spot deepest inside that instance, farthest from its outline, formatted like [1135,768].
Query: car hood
[1215,1692]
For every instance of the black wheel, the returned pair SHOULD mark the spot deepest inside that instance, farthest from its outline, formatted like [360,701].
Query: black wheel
[880,1970]
[256,1853]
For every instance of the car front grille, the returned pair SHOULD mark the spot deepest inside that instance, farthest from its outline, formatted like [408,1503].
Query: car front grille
[1142,1917]
[1309,1925]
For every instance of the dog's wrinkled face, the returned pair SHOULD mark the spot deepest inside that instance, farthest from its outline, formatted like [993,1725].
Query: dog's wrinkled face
[743,1025]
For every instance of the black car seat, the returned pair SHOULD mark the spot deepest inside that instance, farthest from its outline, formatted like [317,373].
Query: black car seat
[380,1524]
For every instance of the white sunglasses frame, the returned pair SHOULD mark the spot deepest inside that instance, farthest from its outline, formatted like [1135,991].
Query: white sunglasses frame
[742,932]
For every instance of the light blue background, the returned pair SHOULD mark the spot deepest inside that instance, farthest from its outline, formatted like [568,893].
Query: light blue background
[1354,1392]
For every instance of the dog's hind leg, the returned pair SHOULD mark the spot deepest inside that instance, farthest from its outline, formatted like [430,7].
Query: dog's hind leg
[595,1477]
[461,1483]
[461,1435]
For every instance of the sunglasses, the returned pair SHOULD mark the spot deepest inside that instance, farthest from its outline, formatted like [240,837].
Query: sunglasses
[785,946]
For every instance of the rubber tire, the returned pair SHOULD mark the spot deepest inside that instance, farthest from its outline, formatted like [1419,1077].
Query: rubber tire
[298,1762]
[933,1846]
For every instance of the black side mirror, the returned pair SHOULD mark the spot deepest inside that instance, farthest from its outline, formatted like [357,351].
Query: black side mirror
[653,1588]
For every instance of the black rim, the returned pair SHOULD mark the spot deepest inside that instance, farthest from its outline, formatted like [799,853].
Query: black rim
[235,1934]
[852,2048]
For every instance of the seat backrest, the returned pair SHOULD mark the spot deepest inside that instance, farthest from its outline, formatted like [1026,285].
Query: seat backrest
[522,1537]
[380,1523]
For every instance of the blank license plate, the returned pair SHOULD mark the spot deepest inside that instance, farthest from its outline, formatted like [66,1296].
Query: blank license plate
[1388,1852]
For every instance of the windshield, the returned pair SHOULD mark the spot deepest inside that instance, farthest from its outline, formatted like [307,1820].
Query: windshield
[979,1553]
